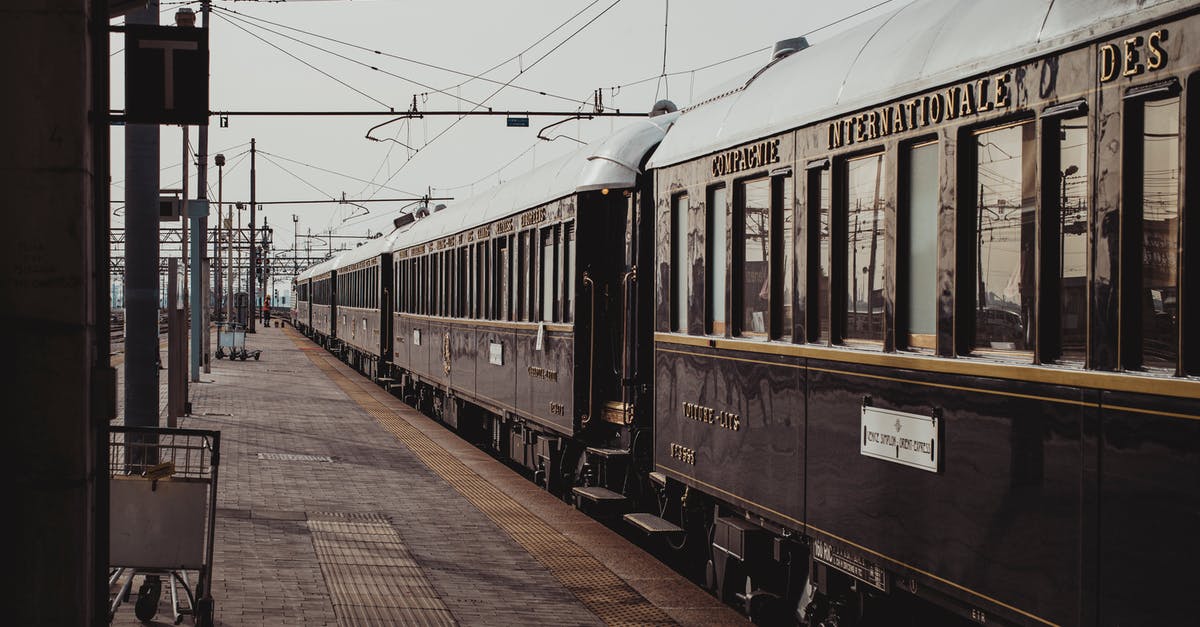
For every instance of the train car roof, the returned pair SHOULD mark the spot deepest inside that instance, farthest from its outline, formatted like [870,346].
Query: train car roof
[610,163]
[922,45]
[368,249]
[321,268]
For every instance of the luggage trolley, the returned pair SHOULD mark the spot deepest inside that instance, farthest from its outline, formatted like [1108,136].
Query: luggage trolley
[231,342]
[163,506]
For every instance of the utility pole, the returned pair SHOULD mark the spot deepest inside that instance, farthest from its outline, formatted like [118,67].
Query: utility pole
[219,288]
[200,244]
[253,205]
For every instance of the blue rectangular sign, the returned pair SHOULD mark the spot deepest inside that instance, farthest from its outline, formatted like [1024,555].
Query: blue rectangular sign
[522,122]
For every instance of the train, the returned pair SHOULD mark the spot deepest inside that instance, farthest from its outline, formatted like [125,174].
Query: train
[892,326]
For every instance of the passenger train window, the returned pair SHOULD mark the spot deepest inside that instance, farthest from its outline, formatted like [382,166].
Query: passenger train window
[520,283]
[569,265]
[866,248]
[717,263]
[754,290]
[549,293]
[1004,237]
[783,252]
[502,278]
[919,250]
[818,245]
[1154,225]
[1071,212]
[679,263]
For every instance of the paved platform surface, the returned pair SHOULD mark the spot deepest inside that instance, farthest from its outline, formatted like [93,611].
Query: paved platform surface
[340,505]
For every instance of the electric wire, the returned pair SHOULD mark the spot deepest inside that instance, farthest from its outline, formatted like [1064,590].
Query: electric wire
[299,178]
[306,63]
[502,87]
[334,172]
[446,92]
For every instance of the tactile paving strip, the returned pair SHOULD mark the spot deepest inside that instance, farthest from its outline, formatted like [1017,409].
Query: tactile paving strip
[601,590]
[371,576]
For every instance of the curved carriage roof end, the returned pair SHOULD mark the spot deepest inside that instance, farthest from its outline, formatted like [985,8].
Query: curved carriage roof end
[613,162]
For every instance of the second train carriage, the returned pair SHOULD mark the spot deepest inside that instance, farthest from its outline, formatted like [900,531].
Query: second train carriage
[364,279]
[322,288]
[514,316]
[921,317]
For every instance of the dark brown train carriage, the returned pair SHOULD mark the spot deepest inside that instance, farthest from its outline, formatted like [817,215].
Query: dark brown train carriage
[515,317]
[920,306]
[364,277]
[323,307]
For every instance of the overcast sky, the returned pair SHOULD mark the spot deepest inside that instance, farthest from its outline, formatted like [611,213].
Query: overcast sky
[617,45]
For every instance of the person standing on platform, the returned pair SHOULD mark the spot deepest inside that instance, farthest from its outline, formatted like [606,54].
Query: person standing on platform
[266,314]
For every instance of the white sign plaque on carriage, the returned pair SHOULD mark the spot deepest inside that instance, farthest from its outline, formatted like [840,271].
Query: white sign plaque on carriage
[900,437]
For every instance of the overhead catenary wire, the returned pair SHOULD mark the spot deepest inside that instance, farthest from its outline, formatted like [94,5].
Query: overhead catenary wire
[502,87]
[446,91]
[306,63]
[328,171]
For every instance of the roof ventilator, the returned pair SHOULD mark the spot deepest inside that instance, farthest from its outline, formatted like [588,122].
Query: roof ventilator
[783,49]
[663,107]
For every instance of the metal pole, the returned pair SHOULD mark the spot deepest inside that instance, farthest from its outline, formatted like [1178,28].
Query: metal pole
[200,295]
[218,270]
[141,261]
[250,275]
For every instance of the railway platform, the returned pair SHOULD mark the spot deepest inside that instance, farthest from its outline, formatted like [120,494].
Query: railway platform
[340,505]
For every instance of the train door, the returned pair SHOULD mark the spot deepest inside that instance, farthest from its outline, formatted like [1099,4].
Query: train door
[386,299]
[333,300]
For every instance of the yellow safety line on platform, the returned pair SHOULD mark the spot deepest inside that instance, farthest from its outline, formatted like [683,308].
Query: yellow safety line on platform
[600,590]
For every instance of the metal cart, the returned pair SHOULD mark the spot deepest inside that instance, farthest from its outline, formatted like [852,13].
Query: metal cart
[163,506]
[231,342]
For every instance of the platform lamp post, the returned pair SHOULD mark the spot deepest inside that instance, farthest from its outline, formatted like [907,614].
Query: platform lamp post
[219,292]
[295,252]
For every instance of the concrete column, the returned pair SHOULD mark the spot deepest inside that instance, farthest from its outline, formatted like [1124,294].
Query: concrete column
[141,262]
[55,390]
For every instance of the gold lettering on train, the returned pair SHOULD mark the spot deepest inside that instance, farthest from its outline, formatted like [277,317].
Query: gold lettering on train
[978,96]
[684,454]
[1156,56]
[749,157]
[533,217]
[543,373]
[1126,58]
[722,419]
[557,409]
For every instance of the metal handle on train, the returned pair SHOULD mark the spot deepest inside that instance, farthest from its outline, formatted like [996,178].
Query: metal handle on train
[591,285]
[628,370]
[627,315]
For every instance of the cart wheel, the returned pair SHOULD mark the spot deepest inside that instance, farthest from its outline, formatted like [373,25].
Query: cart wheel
[204,613]
[148,596]
[256,356]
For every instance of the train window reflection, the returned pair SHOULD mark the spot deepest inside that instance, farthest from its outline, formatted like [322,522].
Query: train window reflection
[1004,237]
[817,276]
[919,298]
[717,262]
[755,288]
[569,263]
[1073,219]
[1160,234]
[548,291]
[866,248]
[785,243]
[679,263]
